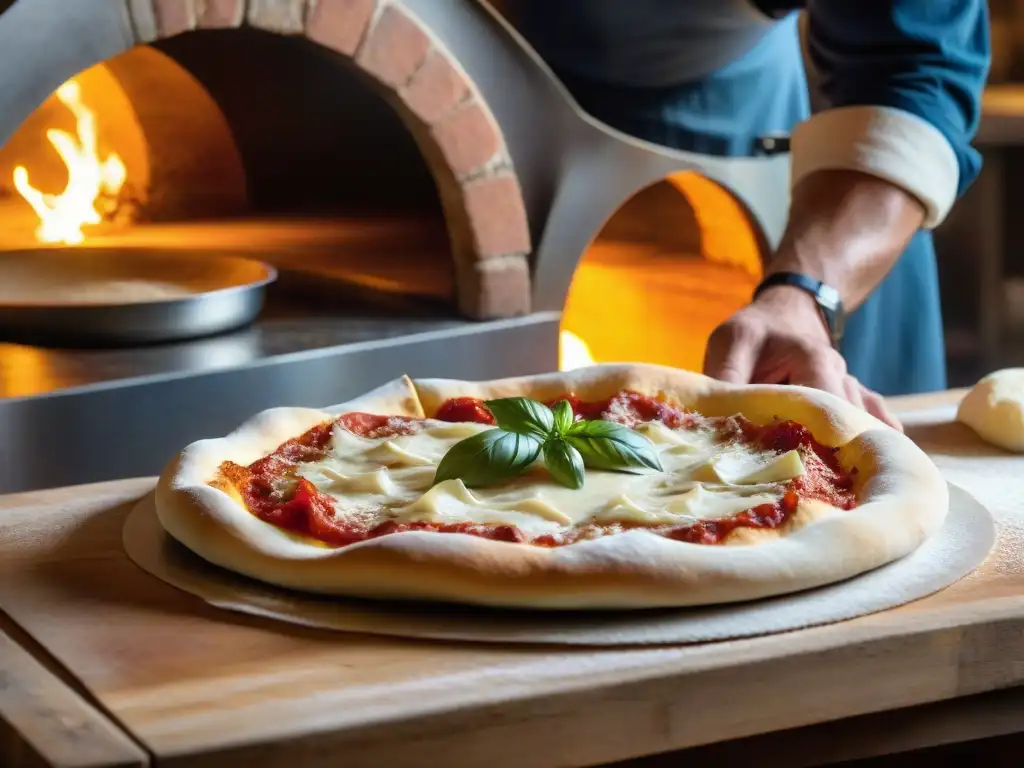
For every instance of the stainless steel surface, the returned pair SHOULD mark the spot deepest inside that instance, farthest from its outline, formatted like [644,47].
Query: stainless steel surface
[35,34]
[133,427]
[40,295]
[27,371]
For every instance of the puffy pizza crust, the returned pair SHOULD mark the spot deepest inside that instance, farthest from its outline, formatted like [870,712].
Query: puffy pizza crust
[902,500]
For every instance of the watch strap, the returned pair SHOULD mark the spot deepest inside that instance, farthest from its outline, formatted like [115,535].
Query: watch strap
[825,296]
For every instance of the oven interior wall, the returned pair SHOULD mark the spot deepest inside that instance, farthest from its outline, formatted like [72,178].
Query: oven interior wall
[314,134]
[320,142]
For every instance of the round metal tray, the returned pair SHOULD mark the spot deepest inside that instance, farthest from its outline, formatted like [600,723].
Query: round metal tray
[125,296]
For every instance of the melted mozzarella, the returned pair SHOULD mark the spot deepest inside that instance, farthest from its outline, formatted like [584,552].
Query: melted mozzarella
[743,467]
[701,480]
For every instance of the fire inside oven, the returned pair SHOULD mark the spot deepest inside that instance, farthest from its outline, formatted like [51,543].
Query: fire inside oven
[289,155]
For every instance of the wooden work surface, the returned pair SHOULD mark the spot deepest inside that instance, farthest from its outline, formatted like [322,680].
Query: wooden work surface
[199,687]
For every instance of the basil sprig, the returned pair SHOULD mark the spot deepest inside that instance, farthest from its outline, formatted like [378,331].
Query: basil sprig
[526,429]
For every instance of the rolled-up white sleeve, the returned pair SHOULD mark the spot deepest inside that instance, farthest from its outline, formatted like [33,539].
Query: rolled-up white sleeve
[900,83]
[885,142]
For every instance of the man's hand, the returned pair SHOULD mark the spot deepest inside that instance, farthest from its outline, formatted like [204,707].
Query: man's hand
[846,229]
[781,338]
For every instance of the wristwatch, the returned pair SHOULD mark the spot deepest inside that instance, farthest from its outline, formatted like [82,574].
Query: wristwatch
[825,296]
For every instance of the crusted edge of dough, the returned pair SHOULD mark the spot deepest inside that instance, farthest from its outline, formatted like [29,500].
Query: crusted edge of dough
[903,499]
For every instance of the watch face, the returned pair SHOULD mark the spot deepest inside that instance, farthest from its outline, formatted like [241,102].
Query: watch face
[829,302]
[829,296]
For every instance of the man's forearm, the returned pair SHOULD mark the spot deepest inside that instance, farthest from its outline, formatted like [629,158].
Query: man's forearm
[846,229]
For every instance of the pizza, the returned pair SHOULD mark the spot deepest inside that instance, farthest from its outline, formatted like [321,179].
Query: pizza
[609,487]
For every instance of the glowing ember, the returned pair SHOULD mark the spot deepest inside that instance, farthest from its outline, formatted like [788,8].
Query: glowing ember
[61,217]
[573,352]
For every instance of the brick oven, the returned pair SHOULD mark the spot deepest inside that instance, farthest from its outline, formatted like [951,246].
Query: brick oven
[425,187]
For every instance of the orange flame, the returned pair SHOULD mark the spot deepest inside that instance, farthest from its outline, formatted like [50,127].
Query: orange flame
[573,352]
[61,217]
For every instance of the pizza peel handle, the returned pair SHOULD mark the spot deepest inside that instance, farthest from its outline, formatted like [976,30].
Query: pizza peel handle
[125,296]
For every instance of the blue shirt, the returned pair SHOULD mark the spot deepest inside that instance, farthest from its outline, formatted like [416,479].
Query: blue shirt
[724,60]
[926,57]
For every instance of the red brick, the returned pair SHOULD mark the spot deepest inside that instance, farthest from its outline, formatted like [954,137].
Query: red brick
[495,288]
[174,16]
[435,88]
[497,217]
[396,47]
[468,138]
[340,24]
[220,13]
[285,17]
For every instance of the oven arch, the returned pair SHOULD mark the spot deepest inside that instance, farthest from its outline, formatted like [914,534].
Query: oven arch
[415,71]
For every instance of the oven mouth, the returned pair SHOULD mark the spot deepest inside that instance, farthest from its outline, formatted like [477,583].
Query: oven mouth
[243,127]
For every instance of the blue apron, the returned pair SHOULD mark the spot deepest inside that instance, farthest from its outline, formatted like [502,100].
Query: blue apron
[711,79]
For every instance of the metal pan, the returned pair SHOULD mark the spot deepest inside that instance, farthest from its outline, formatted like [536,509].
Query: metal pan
[126,296]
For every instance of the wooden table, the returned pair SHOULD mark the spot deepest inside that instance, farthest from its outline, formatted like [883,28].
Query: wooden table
[104,665]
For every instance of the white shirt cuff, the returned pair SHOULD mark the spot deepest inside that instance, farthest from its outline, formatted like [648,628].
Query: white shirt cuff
[889,143]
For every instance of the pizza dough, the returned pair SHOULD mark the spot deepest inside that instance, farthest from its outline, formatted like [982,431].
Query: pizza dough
[994,408]
[902,500]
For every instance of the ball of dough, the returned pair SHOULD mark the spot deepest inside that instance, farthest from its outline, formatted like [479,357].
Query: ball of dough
[994,408]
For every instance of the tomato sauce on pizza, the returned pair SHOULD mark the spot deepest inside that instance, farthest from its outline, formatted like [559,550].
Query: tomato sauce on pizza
[273,488]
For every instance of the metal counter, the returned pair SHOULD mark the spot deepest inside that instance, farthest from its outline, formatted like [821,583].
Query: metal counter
[78,416]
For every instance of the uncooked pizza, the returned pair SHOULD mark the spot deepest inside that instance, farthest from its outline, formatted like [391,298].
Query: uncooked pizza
[607,487]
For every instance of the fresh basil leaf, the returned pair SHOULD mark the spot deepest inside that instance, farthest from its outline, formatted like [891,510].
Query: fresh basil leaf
[562,411]
[564,463]
[488,457]
[607,445]
[522,415]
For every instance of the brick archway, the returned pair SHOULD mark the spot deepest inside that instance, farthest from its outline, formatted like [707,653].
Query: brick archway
[454,128]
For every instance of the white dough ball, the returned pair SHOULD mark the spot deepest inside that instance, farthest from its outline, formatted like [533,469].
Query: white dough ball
[994,408]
